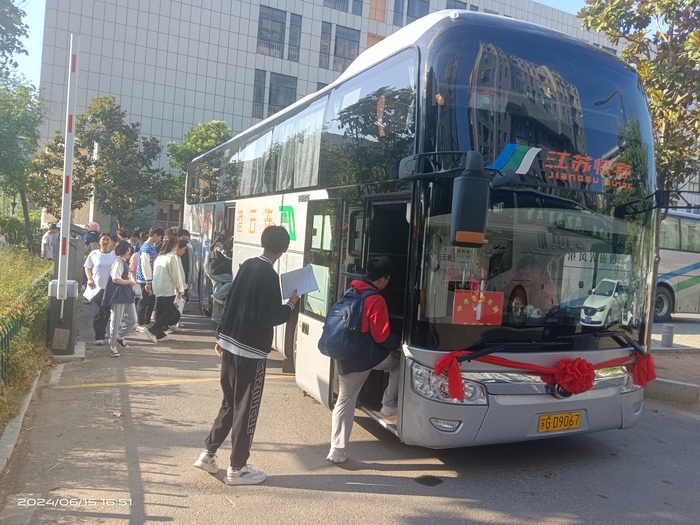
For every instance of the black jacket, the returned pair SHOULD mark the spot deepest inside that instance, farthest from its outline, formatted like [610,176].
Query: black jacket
[253,307]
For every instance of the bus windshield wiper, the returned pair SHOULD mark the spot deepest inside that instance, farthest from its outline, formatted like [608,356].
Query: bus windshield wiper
[619,336]
[493,349]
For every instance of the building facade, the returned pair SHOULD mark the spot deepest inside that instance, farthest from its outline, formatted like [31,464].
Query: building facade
[172,64]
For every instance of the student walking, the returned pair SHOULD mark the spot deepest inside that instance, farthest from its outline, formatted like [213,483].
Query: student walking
[119,298]
[379,355]
[220,271]
[253,307]
[97,267]
[48,245]
[144,276]
[168,283]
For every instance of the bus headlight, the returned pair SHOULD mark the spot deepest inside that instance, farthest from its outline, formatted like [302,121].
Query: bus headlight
[428,384]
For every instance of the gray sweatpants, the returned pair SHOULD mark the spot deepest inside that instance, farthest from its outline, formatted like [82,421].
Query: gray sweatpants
[122,322]
[349,390]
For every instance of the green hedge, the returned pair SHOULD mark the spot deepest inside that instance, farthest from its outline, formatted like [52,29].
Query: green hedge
[15,232]
[28,351]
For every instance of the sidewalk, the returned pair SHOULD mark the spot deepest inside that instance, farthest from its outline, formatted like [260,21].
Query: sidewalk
[112,440]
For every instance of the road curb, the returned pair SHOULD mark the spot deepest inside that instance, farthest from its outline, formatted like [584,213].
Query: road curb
[11,432]
[673,391]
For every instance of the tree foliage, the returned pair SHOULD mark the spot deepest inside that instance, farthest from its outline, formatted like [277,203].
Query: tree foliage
[663,44]
[45,188]
[11,31]
[123,173]
[21,113]
[197,140]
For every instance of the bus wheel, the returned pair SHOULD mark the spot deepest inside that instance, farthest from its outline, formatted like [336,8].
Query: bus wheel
[517,305]
[663,305]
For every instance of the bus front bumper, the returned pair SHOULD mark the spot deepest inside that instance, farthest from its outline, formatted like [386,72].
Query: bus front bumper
[509,418]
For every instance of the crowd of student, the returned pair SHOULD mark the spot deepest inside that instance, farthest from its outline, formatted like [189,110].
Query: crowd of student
[138,281]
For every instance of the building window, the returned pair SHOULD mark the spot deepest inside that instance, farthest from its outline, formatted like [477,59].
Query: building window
[283,92]
[259,93]
[320,86]
[398,12]
[347,47]
[473,7]
[377,10]
[294,37]
[325,51]
[454,4]
[416,9]
[373,39]
[357,7]
[339,5]
[271,31]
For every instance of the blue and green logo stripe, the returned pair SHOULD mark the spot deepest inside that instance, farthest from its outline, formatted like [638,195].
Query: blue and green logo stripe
[515,157]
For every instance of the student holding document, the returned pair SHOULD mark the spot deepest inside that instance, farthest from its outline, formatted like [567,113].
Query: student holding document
[253,307]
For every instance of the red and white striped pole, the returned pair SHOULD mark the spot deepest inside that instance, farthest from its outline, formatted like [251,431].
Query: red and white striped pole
[62,292]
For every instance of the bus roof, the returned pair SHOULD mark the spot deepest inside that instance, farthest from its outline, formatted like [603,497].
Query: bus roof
[409,36]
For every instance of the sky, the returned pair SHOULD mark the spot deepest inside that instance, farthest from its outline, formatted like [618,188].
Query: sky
[30,65]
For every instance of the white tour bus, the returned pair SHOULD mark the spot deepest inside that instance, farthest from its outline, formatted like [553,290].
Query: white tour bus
[501,261]
[678,281]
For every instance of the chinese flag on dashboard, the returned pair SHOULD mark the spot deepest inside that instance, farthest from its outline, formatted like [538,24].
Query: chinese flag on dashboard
[478,308]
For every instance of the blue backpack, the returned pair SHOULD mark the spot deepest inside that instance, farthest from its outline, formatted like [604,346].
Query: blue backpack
[342,337]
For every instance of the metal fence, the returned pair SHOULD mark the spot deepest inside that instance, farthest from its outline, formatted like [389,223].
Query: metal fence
[14,318]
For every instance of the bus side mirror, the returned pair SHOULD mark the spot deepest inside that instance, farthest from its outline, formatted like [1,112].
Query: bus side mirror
[470,203]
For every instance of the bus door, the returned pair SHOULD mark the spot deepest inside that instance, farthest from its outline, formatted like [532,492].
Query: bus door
[208,230]
[322,251]
[386,233]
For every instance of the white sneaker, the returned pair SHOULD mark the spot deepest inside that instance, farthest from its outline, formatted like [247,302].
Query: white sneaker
[173,329]
[99,342]
[141,328]
[151,336]
[245,476]
[389,411]
[207,462]
[337,455]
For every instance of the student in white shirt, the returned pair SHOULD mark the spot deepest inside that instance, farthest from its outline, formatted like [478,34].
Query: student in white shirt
[97,266]
[168,283]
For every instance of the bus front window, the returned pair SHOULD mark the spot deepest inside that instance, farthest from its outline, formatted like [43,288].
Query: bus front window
[548,268]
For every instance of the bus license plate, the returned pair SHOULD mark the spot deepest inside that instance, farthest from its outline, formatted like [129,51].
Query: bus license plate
[561,421]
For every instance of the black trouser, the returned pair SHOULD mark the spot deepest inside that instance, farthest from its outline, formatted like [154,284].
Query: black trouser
[167,315]
[145,307]
[100,321]
[242,381]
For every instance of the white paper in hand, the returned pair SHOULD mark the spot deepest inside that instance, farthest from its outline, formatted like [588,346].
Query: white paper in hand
[301,280]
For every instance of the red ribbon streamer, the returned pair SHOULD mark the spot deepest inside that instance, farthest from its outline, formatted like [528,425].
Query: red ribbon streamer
[574,376]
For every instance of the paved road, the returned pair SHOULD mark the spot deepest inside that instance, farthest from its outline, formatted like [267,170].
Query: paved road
[129,429]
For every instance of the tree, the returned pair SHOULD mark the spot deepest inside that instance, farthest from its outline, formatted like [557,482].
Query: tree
[663,44]
[124,177]
[45,184]
[21,113]
[199,139]
[11,31]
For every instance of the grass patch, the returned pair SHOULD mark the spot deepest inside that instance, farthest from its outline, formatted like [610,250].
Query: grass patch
[18,269]
[28,350]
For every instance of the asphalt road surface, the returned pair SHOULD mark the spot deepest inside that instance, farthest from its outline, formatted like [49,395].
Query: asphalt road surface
[112,441]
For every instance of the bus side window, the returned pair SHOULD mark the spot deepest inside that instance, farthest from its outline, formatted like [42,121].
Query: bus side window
[321,253]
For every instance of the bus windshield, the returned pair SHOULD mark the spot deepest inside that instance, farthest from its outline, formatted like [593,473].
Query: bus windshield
[570,126]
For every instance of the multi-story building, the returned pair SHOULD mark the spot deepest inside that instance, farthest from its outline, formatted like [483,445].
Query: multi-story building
[171,64]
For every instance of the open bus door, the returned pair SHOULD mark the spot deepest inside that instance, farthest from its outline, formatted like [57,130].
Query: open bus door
[214,220]
[336,264]
[322,249]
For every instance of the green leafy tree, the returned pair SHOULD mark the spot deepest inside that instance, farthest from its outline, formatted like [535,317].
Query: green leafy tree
[198,140]
[21,113]
[662,40]
[11,31]
[123,173]
[45,188]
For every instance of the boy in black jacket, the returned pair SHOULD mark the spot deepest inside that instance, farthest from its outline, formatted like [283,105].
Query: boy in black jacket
[253,307]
